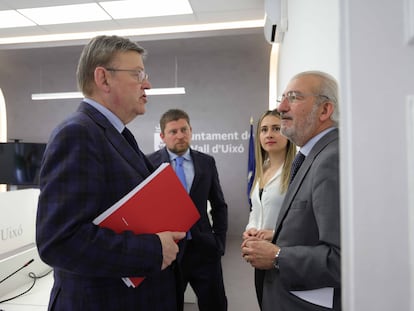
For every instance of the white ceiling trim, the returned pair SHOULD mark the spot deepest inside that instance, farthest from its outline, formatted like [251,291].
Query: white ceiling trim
[245,24]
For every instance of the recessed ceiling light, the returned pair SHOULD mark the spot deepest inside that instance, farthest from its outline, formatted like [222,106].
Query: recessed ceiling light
[140,8]
[64,14]
[11,18]
[166,91]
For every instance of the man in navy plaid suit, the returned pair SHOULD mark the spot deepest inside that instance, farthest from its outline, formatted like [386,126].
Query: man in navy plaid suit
[87,167]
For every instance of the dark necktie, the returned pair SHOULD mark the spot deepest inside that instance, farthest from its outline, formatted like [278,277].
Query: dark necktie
[179,170]
[297,162]
[130,139]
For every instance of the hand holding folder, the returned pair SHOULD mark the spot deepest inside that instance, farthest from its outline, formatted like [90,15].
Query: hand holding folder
[160,203]
[169,246]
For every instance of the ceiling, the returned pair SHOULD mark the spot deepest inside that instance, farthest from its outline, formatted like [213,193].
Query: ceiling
[205,12]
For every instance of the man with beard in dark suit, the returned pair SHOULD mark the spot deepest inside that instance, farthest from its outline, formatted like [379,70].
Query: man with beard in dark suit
[200,253]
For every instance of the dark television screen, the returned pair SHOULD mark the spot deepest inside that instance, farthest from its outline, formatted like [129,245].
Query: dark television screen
[20,163]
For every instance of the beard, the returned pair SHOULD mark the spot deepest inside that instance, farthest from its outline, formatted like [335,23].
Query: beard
[300,132]
[180,148]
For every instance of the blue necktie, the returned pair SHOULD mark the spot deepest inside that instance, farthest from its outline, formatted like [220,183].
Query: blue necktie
[179,170]
[297,162]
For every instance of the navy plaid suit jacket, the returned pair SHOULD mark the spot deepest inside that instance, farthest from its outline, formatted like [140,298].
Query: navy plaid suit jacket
[87,167]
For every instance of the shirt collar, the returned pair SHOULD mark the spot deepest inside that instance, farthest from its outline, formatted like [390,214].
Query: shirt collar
[115,121]
[306,149]
[172,155]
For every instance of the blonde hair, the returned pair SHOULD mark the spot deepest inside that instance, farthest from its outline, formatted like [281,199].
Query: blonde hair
[261,156]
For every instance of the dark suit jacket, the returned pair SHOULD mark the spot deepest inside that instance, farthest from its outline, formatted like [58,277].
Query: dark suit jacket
[210,240]
[308,233]
[87,167]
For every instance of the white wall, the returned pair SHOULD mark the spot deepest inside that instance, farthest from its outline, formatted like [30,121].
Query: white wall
[377,73]
[311,41]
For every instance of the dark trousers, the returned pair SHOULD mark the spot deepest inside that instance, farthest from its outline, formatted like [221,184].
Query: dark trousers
[258,282]
[205,276]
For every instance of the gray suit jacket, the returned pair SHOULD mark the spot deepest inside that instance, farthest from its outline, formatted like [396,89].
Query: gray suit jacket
[308,233]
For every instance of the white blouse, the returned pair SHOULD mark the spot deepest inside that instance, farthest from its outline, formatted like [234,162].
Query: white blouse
[265,211]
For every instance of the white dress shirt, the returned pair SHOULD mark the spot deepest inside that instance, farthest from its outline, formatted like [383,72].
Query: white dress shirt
[265,211]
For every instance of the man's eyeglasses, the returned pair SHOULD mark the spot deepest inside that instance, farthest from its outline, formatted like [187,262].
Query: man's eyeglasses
[296,96]
[140,75]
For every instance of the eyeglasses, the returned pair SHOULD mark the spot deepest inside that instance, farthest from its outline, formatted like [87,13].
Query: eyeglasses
[297,96]
[140,75]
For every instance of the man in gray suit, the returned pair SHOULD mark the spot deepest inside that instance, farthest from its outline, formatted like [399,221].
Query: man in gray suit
[302,262]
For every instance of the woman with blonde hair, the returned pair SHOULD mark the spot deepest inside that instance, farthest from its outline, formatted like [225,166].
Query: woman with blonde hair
[274,155]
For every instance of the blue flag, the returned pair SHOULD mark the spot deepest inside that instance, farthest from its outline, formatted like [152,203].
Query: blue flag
[251,165]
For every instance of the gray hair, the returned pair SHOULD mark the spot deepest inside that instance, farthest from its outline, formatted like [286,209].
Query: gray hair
[327,87]
[100,51]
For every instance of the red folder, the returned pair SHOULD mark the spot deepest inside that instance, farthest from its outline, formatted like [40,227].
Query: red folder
[159,203]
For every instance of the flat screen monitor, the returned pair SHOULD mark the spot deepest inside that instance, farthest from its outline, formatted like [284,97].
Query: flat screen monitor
[20,163]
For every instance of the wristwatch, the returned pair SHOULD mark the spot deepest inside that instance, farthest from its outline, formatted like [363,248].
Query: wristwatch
[276,260]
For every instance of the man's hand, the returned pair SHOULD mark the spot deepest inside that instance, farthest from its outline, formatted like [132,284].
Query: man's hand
[169,246]
[264,234]
[259,253]
[249,233]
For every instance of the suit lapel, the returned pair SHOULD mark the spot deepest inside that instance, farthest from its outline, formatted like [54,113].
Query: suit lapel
[294,187]
[198,169]
[117,140]
[130,155]
[165,157]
